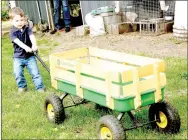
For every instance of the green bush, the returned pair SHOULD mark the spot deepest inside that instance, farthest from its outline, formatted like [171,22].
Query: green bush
[4,10]
[4,15]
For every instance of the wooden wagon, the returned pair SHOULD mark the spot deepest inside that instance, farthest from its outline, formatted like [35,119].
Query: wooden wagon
[113,80]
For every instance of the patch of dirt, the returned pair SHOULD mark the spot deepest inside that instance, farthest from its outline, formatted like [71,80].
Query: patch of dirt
[6,26]
[156,46]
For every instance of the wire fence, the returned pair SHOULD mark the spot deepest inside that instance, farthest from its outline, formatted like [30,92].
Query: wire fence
[147,9]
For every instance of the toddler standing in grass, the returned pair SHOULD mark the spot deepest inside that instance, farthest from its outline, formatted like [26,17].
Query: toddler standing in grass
[24,44]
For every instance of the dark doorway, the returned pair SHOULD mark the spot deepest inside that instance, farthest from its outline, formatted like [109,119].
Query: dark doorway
[75,12]
[76,15]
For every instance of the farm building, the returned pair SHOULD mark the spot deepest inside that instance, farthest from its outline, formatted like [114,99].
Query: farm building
[43,10]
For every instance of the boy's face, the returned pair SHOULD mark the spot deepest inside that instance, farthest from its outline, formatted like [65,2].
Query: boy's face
[18,21]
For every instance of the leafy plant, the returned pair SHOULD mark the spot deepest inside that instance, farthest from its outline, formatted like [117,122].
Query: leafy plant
[4,10]
[74,10]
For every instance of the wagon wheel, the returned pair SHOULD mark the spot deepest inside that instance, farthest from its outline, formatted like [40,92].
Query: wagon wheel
[168,115]
[110,128]
[54,109]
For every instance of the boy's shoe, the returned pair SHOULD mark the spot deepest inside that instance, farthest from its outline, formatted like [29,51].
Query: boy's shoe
[67,29]
[41,90]
[20,90]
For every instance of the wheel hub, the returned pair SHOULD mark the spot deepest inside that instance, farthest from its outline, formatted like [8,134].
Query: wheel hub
[163,120]
[106,133]
[50,111]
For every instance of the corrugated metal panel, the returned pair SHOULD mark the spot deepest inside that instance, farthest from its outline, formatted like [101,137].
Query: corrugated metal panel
[87,6]
[30,9]
[42,5]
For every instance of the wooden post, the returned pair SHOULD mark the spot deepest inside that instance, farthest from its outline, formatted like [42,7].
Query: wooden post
[158,95]
[79,90]
[108,83]
[137,100]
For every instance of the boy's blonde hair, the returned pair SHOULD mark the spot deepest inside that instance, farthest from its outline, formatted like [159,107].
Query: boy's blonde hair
[16,11]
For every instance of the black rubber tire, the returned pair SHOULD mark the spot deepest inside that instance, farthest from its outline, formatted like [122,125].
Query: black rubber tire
[58,108]
[173,119]
[102,108]
[113,124]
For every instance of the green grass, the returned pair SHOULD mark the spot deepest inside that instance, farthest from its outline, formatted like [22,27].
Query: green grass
[23,115]
[47,42]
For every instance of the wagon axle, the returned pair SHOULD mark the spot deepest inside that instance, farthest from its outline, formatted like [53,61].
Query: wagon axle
[74,103]
[135,121]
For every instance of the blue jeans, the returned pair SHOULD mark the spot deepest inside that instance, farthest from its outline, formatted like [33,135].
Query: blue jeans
[31,65]
[66,13]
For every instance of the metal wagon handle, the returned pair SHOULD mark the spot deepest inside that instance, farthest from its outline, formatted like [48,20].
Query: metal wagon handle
[41,61]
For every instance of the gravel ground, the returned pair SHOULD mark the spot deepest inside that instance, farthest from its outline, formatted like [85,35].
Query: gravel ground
[156,46]
[134,43]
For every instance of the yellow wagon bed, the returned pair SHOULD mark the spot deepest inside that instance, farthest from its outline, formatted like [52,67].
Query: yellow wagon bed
[119,81]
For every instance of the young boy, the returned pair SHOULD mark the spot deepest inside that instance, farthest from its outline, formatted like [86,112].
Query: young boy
[24,44]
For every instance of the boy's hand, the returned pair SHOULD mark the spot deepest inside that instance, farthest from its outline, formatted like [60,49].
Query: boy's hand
[34,48]
[28,50]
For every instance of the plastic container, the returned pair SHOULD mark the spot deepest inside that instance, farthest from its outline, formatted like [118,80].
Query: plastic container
[180,20]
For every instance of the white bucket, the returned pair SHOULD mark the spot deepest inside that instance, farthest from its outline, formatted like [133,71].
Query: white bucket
[180,20]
